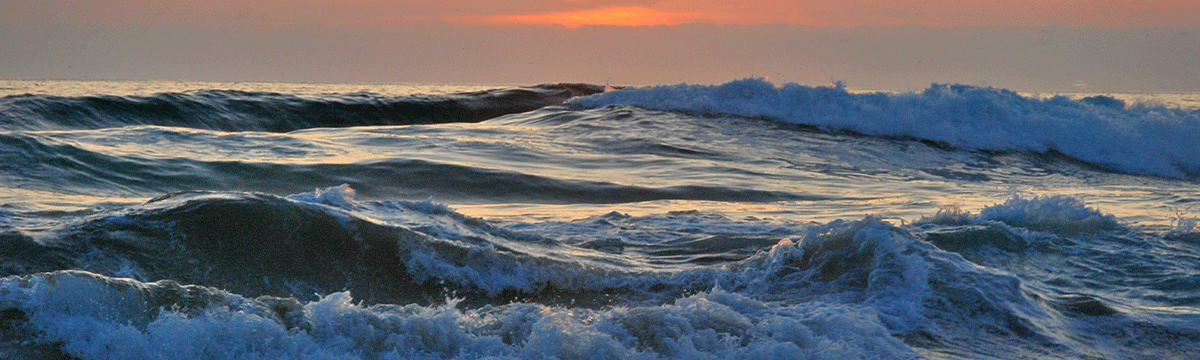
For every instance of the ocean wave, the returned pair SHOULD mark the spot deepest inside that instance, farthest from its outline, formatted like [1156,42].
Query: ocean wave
[1055,214]
[862,282]
[136,320]
[322,274]
[258,244]
[230,110]
[149,160]
[845,289]
[1101,130]
[745,237]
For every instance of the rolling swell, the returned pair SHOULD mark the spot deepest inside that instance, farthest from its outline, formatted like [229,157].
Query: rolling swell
[249,244]
[314,243]
[1100,130]
[229,110]
[184,159]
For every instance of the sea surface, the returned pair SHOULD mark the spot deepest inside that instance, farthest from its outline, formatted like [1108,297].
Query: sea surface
[745,220]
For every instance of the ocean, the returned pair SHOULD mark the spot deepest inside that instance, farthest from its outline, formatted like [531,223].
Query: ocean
[744,220]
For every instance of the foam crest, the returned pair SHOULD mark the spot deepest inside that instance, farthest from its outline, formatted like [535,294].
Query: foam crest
[708,325]
[1139,138]
[341,196]
[1053,213]
[1056,214]
[915,289]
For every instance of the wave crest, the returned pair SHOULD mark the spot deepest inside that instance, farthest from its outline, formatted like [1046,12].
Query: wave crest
[1139,138]
[230,110]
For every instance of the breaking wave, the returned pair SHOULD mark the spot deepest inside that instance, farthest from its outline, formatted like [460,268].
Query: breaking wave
[322,275]
[1100,130]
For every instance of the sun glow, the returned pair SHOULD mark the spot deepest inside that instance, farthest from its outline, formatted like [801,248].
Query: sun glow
[614,16]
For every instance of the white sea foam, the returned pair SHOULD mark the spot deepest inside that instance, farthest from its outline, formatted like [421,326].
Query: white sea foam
[1056,214]
[339,196]
[1136,138]
[709,325]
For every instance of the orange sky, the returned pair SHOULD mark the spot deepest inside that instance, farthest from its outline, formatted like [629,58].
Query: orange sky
[616,16]
[573,13]
[1114,45]
[1098,13]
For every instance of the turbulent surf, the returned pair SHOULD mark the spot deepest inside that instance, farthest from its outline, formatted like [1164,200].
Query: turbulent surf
[744,220]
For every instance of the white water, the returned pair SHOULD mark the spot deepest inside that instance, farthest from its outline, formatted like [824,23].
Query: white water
[1137,138]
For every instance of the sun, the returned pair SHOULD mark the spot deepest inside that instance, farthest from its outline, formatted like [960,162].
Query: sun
[613,16]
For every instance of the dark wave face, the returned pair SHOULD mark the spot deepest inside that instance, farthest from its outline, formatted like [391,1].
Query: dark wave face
[740,221]
[248,244]
[230,110]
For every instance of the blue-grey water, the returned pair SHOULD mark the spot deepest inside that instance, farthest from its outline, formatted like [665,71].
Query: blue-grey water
[744,220]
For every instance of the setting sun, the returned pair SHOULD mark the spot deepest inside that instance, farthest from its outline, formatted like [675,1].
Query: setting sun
[615,16]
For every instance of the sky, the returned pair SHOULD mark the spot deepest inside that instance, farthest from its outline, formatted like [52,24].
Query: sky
[1051,45]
